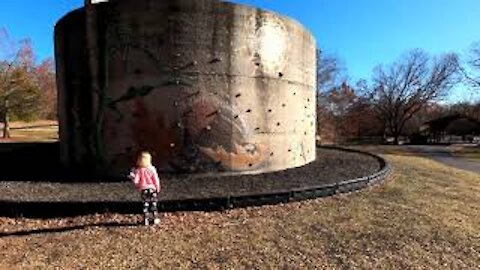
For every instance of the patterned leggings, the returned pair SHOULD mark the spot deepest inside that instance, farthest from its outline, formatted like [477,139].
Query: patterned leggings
[150,200]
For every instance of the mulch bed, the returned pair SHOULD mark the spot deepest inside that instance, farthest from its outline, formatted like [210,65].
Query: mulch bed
[331,166]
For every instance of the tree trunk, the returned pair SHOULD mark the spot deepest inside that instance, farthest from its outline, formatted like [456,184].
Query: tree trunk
[6,126]
[395,139]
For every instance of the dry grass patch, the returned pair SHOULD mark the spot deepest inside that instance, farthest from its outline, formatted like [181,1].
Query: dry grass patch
[37,131]
[427,216]
[470,152]
[385,149]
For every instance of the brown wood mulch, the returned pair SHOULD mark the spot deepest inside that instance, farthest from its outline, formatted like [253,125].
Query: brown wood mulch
[330,167]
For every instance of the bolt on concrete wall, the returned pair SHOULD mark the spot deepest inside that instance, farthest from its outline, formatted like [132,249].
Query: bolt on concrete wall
[205,85]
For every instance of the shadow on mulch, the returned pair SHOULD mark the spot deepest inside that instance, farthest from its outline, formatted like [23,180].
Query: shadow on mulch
[68,228]
[35,188]
[40,162]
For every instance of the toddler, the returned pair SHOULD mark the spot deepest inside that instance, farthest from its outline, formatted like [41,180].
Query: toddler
[145,178]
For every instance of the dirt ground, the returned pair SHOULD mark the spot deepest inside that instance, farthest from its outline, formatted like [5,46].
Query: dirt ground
[426,216]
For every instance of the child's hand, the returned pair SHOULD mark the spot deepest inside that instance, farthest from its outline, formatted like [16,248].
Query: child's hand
[131,176]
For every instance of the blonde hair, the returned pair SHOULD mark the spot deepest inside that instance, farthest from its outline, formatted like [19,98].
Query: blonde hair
[144,160]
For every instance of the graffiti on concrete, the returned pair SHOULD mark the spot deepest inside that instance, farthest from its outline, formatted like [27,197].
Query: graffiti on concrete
[203,92]
[207,136]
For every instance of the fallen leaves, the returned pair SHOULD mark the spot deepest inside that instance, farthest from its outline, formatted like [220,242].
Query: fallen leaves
[413,221]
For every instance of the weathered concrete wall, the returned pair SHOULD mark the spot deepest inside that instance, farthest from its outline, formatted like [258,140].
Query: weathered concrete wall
[205,85]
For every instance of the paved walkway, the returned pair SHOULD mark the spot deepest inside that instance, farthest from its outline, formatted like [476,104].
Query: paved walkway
[441,154]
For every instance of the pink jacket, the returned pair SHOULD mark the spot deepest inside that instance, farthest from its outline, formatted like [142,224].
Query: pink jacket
[145,178]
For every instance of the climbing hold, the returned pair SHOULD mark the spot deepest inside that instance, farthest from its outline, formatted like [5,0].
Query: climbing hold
[215,60]
[212,114]
[250,147]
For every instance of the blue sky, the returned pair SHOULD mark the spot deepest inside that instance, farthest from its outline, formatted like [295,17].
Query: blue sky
[363,33]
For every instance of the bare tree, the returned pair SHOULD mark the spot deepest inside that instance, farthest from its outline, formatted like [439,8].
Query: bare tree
[44,74]
[467,109]
[329,72]
[402,89]
[20,93]
[475,64]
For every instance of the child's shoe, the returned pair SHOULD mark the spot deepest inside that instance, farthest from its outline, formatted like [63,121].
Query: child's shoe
[147,222]
[156,221]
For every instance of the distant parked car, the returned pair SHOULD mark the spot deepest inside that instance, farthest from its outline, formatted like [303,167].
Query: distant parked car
[402,140]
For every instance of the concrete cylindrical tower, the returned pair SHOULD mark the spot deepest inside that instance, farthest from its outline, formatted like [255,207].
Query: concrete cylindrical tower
[205,85]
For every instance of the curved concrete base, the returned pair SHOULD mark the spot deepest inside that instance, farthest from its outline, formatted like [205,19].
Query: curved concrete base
[125,205]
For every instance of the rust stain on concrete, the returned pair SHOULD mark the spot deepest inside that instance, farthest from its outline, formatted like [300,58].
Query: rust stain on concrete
[242,159]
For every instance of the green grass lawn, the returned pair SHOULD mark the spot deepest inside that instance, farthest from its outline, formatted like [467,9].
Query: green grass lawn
[426,216]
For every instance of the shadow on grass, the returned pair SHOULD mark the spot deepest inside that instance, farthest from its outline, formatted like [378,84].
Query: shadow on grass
[46,210]
[63,209]
[113,224]
[26,127]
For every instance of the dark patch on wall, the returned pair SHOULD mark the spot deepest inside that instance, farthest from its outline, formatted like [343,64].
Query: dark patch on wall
[185,53]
